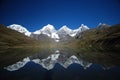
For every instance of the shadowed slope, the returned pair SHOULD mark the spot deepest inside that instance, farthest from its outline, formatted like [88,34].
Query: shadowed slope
[9,37]
[107,38]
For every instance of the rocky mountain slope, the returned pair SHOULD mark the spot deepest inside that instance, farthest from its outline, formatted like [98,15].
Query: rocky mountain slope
[20,29]
[104,37]
[9,37]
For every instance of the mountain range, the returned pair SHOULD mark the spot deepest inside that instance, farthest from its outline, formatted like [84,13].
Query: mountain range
[50,31]
[103,37]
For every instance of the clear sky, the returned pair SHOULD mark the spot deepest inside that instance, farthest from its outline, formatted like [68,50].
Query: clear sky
[34,14]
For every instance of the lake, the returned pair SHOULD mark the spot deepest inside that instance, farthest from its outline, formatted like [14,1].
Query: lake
[58,64]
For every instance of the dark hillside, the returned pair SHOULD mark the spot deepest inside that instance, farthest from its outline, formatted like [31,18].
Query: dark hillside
[9,37]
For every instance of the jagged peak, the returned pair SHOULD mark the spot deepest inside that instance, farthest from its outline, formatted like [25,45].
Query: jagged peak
[102,25]
[19,28]
[50,30]
[84,26]
[48,26]
[65,28]
[45,28]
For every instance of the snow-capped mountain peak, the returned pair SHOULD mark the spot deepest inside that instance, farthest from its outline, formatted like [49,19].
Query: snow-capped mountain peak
[79,30]
[65,28]
[83,27]
[48,27]
[48,30]
[103,25]
[20,29]
[63,33]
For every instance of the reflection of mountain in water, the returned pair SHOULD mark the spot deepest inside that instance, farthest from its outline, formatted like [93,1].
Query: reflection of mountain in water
[49,62]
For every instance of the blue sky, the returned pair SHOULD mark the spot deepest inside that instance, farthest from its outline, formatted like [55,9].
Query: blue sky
[34,14]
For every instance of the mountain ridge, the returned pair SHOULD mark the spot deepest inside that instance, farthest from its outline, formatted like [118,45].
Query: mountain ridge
[50,31]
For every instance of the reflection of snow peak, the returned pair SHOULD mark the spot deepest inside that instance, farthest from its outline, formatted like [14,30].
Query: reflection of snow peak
[49,62]
[74,59]
[18,65]
[57,51]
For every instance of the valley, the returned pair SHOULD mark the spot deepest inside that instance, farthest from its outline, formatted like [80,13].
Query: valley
[102,38]
[48,49]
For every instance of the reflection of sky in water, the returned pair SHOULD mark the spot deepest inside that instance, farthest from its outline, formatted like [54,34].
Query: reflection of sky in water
[32,71]
[58,66]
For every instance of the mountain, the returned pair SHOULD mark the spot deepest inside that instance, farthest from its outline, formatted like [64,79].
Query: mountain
[83,28]
[67,31]
[63,34]
[39,36]
[48,30]
[80,30]
[64,31]
[20,29]
[10,37]
[103,25]
[67,34]
[102,38]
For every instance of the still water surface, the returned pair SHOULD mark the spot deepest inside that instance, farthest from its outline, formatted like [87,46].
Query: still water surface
[58,64]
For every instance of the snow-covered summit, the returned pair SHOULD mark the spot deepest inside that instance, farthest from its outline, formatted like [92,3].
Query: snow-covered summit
[103,25]
[48,27]
[79,30]
[20,29]
[65,28]
[48,30]
[64,31]
[83,27]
